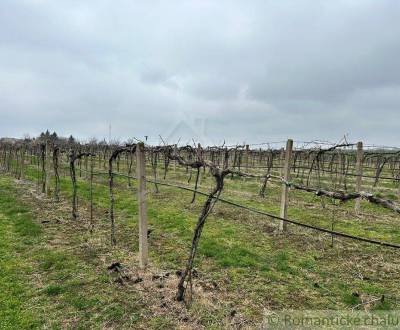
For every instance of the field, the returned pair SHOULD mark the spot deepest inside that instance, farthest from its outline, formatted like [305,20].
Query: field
[61,272]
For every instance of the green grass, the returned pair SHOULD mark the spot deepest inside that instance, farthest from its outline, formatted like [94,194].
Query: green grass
[54,290]
[40,286]
[253,267]
[18,233]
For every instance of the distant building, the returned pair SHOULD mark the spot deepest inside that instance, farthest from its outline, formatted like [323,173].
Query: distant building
[9,140]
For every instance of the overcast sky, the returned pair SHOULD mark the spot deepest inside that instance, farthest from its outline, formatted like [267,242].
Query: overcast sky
[251,71]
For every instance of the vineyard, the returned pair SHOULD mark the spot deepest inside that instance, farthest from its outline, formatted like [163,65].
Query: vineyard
[220,234]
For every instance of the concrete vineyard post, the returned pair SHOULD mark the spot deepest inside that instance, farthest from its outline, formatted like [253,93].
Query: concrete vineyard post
[141,175]
[285,188]
[359,172]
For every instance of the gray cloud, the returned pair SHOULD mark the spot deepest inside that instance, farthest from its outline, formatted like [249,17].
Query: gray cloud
[252,71]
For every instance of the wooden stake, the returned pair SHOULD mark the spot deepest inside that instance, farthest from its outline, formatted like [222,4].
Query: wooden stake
[175,152]
[285,188]
[141,175]
[47,172]
[359,172]
[246,159]
[91,193]
[23,163]
[281,162]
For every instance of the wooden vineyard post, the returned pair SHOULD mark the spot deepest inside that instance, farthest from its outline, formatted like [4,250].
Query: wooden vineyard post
[91,193]
[175,152]
[47,171]
[141,175]
[200,155]
[359,172]
[285,188]
[281,162]
[42,163]
[22,177]
[246,159]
